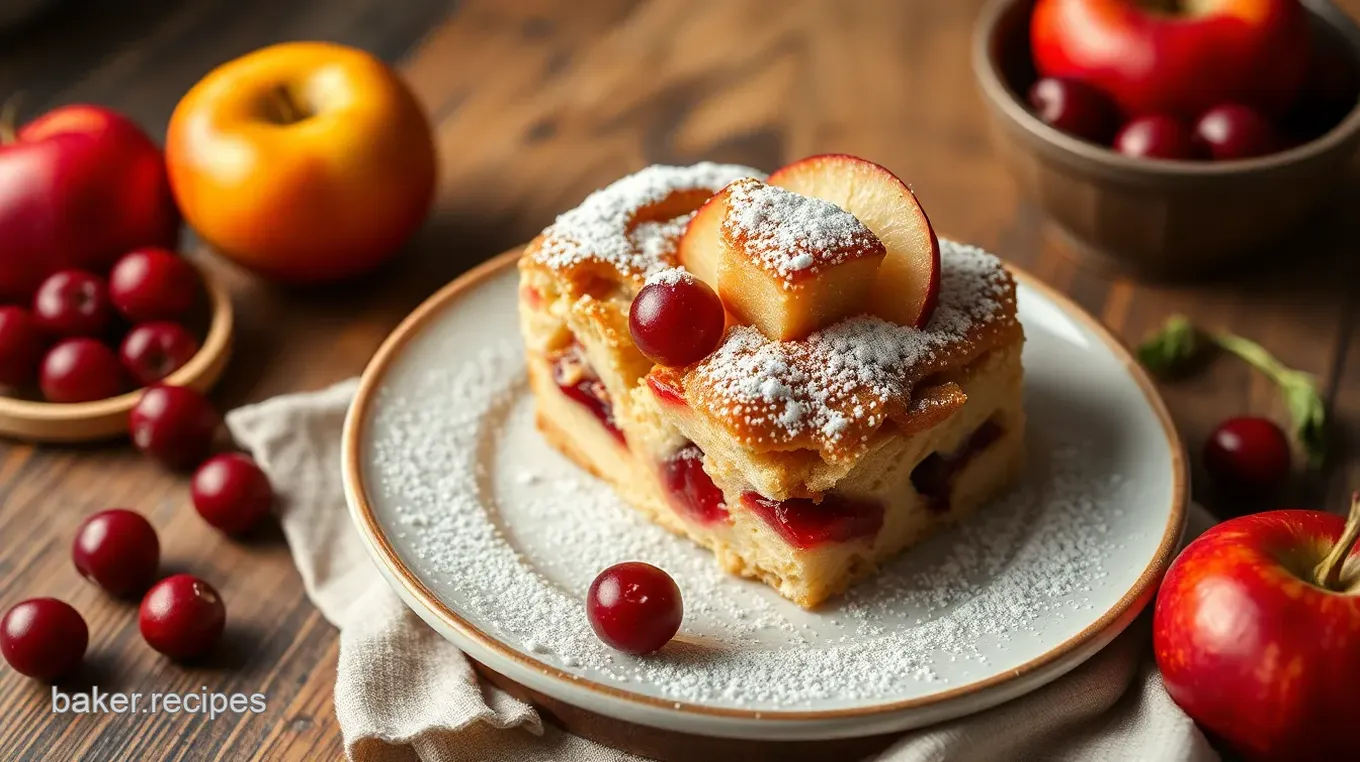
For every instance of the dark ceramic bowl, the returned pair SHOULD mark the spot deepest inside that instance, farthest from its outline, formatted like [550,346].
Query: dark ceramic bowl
[1156,217]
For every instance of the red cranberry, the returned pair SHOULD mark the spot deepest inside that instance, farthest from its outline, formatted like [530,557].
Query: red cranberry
[1233,131]
[174,424]
[117,549]
[81,370]
[182,617]
[43,638]
[72,303]
[231,493]
[805,524]
[1154,137]
[634,607]
[1074,107]
[578,383]
[692,489]
[21,347]
[1247,457]
[152,351]
[153,284]
[676,321]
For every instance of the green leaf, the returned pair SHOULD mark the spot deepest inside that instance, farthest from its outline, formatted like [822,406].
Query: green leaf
[1172,348]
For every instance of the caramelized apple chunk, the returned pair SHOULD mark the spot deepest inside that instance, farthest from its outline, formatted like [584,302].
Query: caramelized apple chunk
[791,264]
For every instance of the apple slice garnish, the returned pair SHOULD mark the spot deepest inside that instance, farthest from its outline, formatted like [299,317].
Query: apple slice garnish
[787,263]
[908,281]
[700,248]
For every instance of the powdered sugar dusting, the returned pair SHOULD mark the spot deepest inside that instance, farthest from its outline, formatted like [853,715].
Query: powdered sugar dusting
[849,372]
[671,276]
[599,229]
[789,233]
[515,554]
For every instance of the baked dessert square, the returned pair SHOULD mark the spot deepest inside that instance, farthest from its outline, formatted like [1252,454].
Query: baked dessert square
[810,383]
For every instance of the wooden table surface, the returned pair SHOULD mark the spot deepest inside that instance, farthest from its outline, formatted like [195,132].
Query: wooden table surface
[538,102]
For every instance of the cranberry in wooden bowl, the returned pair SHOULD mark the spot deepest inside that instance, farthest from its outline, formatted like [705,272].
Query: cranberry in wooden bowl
[25,415]
[1244,185]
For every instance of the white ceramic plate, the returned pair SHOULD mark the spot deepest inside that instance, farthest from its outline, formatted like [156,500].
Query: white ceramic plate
[492,538]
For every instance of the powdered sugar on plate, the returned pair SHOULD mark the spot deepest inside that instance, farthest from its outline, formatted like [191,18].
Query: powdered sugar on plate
[513,555]
[599,229]
[791,235]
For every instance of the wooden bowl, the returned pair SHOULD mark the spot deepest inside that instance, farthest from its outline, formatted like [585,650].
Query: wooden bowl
[1156,217]
[36,421]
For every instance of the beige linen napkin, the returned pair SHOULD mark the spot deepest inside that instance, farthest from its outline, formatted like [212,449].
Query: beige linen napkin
[403,693]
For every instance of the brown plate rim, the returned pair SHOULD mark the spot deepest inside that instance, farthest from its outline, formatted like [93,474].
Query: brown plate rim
[366,521]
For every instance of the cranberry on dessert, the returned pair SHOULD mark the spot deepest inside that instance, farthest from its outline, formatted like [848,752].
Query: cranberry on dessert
[81,370]
[21,346]
[182,617]
[1073,107]
[43,638]
[1154,137]
[117,549]
[153,284]
[152,351]
[231,493]
[1234,131]
[634,607]
[174,424]
[1247,456]
[72,303]
[676,319]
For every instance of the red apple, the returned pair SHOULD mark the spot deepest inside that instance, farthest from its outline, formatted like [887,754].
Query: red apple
[1257,633]
[79,186]
[1175,56]
[908,281]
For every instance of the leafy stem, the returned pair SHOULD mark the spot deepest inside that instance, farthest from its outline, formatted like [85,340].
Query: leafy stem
[1177,343]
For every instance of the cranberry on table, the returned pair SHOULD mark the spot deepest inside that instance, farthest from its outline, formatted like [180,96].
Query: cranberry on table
[676,320]
[152,351]
[81,370]
[43,638]
[1234,131]
[231,493]
[634,607]
[21,346]
[73,303]
[174,424]
[153,284]
[1248,457]
[1154,137]
[1074,107]
[182,617]
[118,550]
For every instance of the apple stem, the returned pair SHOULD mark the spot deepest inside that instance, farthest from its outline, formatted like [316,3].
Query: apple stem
[8,116]
[286,110]
[1328,573]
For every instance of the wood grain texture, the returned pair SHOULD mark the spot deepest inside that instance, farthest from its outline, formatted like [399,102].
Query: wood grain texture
[537,103]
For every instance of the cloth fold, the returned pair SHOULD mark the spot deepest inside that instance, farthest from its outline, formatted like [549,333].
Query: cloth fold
[404,694]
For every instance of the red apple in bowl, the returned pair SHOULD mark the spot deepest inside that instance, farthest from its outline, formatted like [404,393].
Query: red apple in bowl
[908,280]
[1178,57]
[1257,633]
[79,187]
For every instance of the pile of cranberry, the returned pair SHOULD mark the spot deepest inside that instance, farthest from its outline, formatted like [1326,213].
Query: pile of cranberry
[181,616]
[1226,132]
[86,338]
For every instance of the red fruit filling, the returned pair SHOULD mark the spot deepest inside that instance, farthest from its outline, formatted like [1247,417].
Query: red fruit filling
[578,382]
[933,477]
[693,493]
[805,524]
[665,392]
